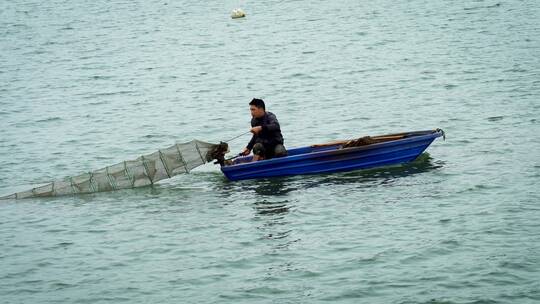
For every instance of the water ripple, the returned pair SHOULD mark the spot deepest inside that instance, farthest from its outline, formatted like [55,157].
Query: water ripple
[83,85]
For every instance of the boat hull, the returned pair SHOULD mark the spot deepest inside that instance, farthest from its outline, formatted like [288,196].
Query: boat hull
[333,158]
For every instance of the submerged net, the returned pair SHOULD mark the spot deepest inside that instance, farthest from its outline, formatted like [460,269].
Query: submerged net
[143,171]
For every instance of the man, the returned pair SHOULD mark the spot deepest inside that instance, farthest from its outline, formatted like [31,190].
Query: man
[267,141]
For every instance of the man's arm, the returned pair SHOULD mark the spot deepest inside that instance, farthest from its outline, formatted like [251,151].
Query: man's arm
[251,142]
[249,147]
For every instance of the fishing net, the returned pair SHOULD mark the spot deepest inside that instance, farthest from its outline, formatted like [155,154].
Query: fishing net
[143,171]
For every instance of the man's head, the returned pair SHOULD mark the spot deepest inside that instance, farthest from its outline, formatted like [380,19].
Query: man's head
[257,108]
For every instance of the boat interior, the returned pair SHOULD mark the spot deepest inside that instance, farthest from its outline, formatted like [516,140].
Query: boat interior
[334,145]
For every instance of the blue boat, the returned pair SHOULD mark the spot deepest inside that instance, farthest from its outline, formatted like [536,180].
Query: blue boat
[363,153]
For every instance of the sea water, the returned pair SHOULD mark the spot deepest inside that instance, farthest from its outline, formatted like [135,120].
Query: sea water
[85,84]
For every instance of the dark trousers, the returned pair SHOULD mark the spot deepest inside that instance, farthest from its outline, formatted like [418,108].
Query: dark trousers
[269,151]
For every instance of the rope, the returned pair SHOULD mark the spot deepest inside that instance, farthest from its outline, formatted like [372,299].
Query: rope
[71,184]
[181,158]
[164,164]
[199,151]
[237,136]
[112,181]
[93,187]
[131,179]
[147,170]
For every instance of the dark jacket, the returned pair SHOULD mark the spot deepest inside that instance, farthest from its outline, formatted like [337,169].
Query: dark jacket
[270,134]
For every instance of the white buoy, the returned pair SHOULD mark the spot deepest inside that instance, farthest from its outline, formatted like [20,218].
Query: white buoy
[238,13]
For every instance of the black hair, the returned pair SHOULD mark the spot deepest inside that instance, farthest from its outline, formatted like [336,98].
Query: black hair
[259,103]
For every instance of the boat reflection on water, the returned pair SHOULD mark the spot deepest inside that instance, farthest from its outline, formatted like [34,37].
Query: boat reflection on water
[266,207]
[281,186]
[271,200]
[273,187]
[275,202]
[377,176]
[272,208]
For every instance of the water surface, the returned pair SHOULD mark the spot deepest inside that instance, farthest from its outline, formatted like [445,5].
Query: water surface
[87,84]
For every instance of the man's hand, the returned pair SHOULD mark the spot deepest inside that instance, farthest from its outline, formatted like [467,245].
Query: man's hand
[245,151]
[256,130]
